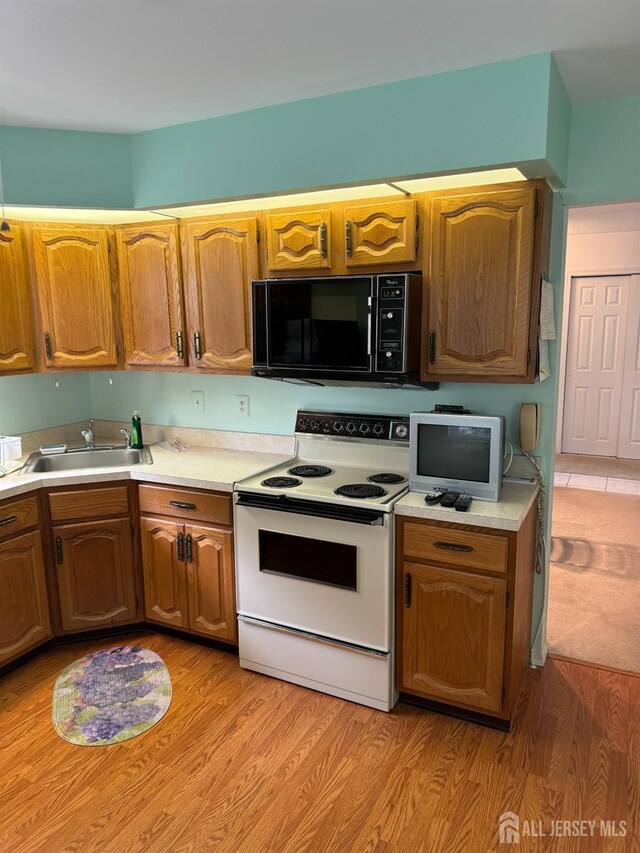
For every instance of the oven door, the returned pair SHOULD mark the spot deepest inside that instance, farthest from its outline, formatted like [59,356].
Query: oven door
[321,575]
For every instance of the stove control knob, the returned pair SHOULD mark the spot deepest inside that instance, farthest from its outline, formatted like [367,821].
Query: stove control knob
[338,426]
[351,427]
[364,428]
[401,431]
[378,429]
[390,315]
[388,354]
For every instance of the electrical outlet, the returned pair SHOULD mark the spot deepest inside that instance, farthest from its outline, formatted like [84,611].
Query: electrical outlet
[242,405]
[197,401]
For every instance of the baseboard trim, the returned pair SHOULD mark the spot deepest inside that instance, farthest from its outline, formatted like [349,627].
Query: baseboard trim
[458,713]
[592,665]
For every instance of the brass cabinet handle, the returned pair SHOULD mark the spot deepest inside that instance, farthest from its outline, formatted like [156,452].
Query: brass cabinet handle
[323,239]
[182,505]
[180,547]
[59,557]
[196,344]
[189,554]
[432,346]
[47,345]
[348,238]
[179,344]
[407,590]
[8,520]
[453,546]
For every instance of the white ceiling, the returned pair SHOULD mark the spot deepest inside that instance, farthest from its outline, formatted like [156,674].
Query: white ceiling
[131,65]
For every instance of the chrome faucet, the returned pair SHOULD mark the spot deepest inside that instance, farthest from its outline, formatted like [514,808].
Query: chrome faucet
[126,434]
[89,438]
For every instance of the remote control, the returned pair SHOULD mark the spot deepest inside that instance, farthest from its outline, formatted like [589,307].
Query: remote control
[463,503]
[449,498]
[434,496]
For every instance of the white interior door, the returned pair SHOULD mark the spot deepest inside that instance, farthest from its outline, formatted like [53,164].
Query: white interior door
[629,433]
[595,365]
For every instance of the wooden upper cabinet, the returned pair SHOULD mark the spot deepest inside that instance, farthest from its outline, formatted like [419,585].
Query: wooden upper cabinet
[16,330]
[76,296]
[24,608]
[212,609]
[151,294]
[381,233]
[220,259]
[299,241]
[453,636]
[480,285]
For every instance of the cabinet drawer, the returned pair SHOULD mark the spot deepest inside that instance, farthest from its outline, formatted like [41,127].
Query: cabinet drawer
[19,515]
[184,503]
[89,503]
[456,547]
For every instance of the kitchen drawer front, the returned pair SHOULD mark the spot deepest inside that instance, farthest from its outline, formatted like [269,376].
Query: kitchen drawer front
[89,503]
[456,547]
[185,503]
[18,515]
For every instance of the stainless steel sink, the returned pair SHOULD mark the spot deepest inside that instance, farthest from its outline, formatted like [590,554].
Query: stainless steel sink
[75,460]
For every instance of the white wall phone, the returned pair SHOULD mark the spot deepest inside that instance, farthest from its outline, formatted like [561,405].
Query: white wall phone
[530,414]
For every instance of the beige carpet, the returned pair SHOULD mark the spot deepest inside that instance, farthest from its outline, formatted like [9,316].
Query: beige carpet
[594,586]
[598,466]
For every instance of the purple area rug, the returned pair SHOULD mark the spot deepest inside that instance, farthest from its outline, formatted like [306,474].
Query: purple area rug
[110,696]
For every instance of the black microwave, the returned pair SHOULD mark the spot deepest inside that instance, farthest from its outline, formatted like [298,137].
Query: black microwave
[338,329]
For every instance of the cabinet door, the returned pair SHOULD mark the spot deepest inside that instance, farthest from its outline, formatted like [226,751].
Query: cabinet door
[212,608]
[95,571]
[453,636]
[383,233]
[480,284]
[75,296]
[151,294]
[165,578]
[16,332]
[299,241]
[24,609]
[220,261]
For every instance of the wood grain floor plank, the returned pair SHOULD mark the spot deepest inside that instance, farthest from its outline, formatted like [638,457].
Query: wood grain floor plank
[244,764]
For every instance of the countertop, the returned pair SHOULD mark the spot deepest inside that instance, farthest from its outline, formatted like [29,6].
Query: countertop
[199,468]
[507,514]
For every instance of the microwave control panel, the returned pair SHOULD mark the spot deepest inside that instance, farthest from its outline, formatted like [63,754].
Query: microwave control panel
[396,295]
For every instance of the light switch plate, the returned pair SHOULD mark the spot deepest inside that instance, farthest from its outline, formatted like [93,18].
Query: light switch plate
[197,401]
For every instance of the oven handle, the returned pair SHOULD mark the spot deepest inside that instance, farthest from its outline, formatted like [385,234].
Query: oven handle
[316,638]
[317,509]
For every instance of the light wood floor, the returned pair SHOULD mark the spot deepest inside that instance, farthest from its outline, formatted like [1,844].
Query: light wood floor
[242,762]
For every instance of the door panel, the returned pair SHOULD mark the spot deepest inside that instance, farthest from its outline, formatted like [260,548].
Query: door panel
[151,294]
[382,233]
[165,579]
[596,365]
[221,260]
[16,331]
[453,636]
[299,241]
[212,609]
[75,295]
[24,609]
[95,571]
[629,435]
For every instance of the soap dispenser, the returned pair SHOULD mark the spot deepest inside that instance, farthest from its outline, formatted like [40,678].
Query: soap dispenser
[136,431]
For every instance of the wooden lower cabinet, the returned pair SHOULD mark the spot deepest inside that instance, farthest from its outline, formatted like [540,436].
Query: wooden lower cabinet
[95,573]
[24,607]
[464,597]
[165,578]
[189,577]
[453,636]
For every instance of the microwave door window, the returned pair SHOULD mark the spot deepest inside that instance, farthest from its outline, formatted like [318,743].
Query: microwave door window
[320,324]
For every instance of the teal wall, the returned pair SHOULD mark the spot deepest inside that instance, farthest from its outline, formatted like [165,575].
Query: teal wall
[604,154]
[34,402]
[66,168]
[478,117]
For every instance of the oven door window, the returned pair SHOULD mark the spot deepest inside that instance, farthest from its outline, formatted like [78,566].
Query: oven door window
[332,563]
[320,324]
